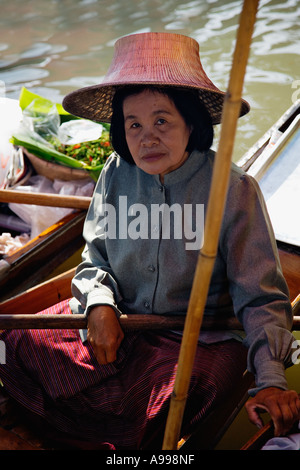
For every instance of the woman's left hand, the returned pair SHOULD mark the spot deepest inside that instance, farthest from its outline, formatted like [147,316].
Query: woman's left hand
[104,333]
[283,407]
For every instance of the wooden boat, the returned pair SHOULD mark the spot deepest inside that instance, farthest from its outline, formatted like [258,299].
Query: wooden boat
[276,167]
[40,256]
[58,288]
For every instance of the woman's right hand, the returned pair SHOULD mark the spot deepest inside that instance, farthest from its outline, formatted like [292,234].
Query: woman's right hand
[104,333]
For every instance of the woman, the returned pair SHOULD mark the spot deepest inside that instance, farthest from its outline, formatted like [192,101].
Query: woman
[143,232]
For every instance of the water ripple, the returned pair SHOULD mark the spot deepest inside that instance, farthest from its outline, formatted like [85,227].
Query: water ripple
[55,46]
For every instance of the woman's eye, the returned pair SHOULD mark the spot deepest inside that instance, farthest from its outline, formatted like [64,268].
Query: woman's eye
[135,125]
[161,121]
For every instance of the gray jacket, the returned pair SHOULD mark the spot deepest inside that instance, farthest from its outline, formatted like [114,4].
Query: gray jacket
[138,261]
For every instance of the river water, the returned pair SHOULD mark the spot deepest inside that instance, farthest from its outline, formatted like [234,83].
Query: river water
[55,46]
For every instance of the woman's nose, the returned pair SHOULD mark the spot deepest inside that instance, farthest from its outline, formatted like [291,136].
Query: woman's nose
[149,138]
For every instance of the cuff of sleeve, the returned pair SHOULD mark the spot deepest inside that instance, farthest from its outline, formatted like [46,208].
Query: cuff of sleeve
[269,374]
[101,298]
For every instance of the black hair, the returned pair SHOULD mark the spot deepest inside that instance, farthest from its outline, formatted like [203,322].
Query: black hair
[187,102]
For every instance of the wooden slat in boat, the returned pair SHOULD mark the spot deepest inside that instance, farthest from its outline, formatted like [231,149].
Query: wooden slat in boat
[260,438]
[41,296]
[290,263]
[35,261]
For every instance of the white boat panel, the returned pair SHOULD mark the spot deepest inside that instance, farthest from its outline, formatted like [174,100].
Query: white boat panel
[278,173]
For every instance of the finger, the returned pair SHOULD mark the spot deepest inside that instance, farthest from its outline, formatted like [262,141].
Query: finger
[253,414]
[290,414]
[111,355]
[283,419]
[279,427]
[98,350]
[295,404]
[286,412]
[112,349]
[100,355]
[277,416]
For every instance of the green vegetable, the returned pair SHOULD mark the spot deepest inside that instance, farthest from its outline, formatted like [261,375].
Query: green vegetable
[92,153]
[89,156]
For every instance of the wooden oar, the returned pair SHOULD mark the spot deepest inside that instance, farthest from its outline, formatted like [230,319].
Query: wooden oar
[128,322]
[213,222]
[16,313]
[45,199]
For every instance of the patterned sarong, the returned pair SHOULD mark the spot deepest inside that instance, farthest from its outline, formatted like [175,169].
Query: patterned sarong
[121,405]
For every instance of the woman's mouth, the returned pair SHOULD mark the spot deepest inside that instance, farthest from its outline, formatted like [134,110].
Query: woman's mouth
[152,157]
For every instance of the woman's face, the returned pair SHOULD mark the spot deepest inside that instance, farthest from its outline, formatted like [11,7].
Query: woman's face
[156,133]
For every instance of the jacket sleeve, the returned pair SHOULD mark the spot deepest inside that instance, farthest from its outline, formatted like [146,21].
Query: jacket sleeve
[257,286]
[94,282]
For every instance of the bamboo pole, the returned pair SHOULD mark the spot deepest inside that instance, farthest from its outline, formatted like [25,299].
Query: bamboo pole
[44,199]
[213,222]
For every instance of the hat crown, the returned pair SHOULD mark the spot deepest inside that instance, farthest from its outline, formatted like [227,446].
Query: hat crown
[161,59]
[158,58]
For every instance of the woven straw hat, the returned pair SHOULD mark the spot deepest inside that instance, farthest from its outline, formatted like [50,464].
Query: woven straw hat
[163,59]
